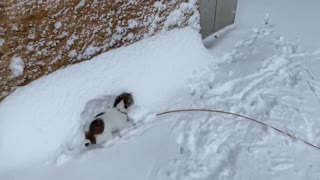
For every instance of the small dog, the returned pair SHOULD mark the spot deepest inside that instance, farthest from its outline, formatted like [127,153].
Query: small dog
[109,123]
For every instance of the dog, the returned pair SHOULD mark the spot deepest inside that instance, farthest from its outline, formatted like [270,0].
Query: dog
[109,123]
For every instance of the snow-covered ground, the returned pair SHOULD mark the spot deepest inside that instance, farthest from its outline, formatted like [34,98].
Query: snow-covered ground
[252,68]
[46,123]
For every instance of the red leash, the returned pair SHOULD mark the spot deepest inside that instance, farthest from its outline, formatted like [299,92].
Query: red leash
[238,115]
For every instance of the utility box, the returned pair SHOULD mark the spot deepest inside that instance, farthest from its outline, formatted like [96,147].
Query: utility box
[215,15]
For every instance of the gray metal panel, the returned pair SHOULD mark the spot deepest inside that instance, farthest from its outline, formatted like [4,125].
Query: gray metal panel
[215,15]
[225,13]
[207,17]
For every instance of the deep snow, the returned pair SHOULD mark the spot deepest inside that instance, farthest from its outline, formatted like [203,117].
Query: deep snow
[266,78]
[47,118]
[254,69]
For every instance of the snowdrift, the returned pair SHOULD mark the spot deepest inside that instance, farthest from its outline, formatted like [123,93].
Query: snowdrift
[38,119]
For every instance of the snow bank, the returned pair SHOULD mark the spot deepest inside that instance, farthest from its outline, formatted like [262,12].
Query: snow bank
[37,120]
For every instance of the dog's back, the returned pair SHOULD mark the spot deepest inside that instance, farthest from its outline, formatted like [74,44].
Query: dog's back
[107,125]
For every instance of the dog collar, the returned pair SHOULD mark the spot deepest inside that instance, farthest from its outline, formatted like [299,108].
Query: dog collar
[122,112]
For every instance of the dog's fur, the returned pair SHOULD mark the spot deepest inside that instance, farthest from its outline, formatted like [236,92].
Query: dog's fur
[96,127]
[107,124]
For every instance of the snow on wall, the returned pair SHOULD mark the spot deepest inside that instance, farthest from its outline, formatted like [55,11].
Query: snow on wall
[49,35]
[1,42]
[16,66]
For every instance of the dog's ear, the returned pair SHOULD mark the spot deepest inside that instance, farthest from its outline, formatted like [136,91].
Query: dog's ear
[117,100]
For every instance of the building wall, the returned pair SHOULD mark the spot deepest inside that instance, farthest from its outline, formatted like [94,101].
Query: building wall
[49,35]
[216,14]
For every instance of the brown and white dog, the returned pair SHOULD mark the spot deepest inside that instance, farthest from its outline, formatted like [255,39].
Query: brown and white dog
[108,124]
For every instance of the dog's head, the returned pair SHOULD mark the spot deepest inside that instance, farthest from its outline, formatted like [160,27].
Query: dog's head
[123,102]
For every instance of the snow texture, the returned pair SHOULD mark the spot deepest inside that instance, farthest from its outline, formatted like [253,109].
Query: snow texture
[72,53]
[132,23]
[2,41]
[57,25]
[80,4]
[16,66]
[177,17]
[250,68]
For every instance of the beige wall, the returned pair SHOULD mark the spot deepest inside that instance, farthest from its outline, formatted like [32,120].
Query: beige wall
[48,35]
